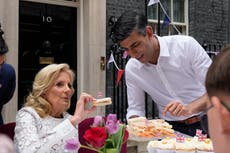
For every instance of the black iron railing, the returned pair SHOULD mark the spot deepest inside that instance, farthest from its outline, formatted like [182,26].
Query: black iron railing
[212,49]
[119,92]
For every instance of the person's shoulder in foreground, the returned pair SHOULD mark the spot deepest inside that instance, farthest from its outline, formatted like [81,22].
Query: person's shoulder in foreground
[6,144]
[218,89]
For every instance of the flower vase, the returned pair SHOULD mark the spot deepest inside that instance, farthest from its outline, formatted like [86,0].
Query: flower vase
[111,150]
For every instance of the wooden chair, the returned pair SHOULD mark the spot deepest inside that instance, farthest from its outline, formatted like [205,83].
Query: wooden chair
[83,126]
[8,129]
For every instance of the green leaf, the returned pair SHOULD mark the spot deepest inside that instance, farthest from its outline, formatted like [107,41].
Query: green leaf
[118,137]
[111,150]
[109,143]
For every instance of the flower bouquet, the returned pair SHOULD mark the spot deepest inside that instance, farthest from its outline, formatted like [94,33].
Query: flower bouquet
[105,135]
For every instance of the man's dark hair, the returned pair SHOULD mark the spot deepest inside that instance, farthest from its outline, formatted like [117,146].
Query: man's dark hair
[218,75]
[126,24]
[3,45]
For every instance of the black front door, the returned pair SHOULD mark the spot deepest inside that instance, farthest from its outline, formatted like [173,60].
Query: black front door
[47,34]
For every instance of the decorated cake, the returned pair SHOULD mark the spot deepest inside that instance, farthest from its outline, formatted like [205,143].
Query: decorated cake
[182,144]
[153,146]
[204,146]
[166,145]
[185,145]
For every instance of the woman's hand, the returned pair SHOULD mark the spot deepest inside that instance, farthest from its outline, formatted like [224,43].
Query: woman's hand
[81,110]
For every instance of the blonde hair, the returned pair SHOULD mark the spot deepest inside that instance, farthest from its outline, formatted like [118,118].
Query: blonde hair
[44,79]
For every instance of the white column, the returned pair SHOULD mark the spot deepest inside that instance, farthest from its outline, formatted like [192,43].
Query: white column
[92,45]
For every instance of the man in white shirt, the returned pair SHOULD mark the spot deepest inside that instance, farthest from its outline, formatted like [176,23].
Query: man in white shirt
[170,69]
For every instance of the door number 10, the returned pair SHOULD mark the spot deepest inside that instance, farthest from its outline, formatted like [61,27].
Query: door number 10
[47,19]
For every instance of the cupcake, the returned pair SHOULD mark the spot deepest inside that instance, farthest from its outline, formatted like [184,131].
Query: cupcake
[166,145]
[204,146]
[186,146]
[153,146]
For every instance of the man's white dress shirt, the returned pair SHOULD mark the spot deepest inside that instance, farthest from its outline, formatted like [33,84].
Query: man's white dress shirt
[179,75]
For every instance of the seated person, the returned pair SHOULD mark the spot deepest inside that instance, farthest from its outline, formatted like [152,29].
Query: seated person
[218,110]
[43,125]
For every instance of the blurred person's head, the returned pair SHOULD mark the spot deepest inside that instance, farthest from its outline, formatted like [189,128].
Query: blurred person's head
[52,90]
[218,89]
[6,144]
[3,47]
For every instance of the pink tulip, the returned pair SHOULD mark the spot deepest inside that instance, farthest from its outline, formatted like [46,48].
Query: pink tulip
[98,121]
[112,124]
[72,144]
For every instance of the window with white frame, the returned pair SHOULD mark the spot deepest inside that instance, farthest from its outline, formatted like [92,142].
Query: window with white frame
[176,10]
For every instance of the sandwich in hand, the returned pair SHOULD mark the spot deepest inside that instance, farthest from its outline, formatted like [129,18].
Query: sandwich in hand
[102,101]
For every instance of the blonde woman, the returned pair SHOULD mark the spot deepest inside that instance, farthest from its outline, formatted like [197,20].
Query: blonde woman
[43,125]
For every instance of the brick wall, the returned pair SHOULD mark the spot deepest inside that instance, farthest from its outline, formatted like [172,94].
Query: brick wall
[117,7]
[208,21]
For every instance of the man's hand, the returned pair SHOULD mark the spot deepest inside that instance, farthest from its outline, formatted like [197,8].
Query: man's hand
[176,109]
